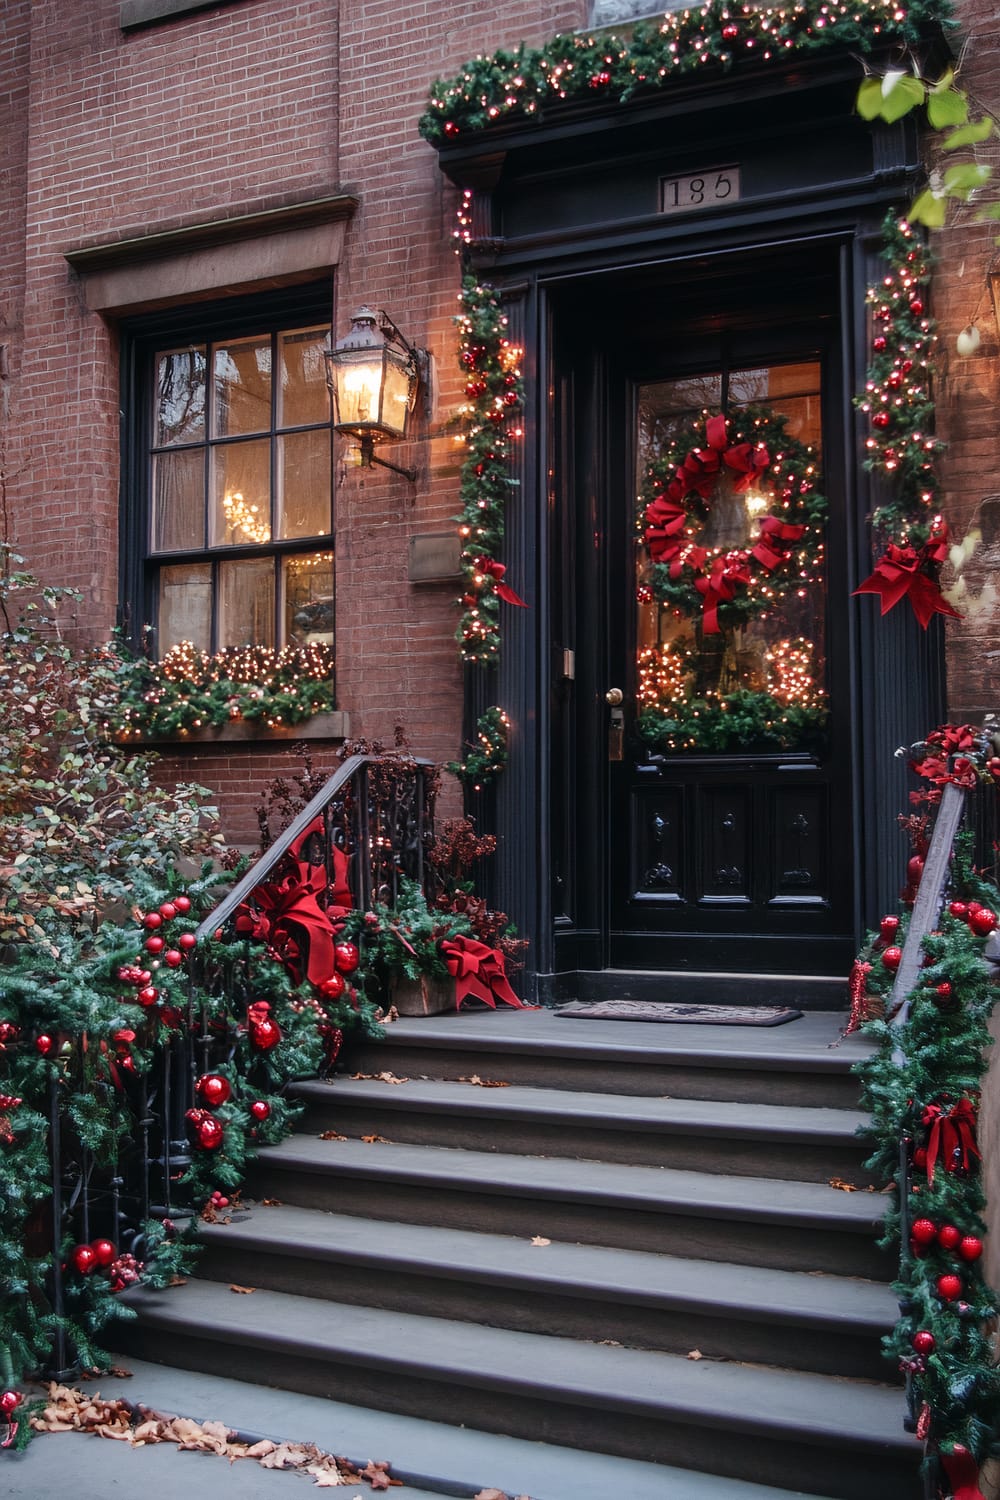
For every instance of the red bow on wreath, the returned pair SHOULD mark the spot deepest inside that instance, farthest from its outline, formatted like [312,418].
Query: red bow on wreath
[719,586]
[772,546]
[478,971]
[952,1135]
[288,915]
[905,573]
[496,570]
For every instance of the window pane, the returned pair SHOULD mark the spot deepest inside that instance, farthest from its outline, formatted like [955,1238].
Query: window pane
[241,494]
[185,612]
[180,396]
[307,590]
[302,393]
[178,500]
[246,603]
[304,483]
[241,387]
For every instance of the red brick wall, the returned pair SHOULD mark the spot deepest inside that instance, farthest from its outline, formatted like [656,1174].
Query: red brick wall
[968,396]
[14,48]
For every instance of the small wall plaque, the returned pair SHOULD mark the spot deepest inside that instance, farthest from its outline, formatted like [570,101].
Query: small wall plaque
[435,557]
[709,188]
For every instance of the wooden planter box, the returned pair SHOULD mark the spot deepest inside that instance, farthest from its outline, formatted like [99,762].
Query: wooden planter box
[423,996]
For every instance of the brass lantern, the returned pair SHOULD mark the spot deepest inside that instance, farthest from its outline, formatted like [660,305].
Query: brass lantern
[374,375]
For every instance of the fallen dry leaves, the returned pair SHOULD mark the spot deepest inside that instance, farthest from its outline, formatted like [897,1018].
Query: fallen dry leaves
[70,1410]
[385,1077]
[842,1186]
[498,1495]
[244,1291]
[539,1239]
[485,1083]
[376,1140]
[332,1135]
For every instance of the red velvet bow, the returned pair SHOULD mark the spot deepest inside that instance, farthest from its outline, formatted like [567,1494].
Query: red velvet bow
[478,971]
[963,1474]
[719,586]
[287,914]
[951,1130]
[748,460]
[496,570]
[901,572]
[665,532]
[771,547]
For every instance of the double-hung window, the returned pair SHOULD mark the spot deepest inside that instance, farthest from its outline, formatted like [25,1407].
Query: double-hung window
[228,500]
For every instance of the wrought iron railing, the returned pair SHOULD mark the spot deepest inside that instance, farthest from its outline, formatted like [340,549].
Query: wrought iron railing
[370,825]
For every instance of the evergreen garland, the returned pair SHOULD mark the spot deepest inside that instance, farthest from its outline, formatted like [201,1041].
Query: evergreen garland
[487,757]
[733,722]
[189,689]
[930,1066]
[491,418]
[712,38]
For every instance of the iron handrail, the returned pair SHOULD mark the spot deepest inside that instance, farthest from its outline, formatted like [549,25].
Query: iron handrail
[272,857]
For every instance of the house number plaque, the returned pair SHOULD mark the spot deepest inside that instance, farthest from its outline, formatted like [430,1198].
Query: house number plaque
[706,189]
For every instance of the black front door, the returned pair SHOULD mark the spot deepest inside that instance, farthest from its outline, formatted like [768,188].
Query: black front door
[711,732]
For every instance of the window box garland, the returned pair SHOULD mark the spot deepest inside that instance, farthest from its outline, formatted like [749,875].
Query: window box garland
[245,692]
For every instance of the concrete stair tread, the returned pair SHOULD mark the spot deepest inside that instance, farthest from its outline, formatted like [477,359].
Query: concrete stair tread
[812,1044]
[589,1271]
[774,1200]
[773,1404]
[611,1111]
[431,1455]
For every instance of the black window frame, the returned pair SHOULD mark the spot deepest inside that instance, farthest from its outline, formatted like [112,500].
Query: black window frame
[140,339]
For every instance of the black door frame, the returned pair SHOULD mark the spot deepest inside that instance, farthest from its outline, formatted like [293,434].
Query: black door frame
[892,702]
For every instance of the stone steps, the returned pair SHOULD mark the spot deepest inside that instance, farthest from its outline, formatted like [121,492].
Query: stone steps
[734,1312]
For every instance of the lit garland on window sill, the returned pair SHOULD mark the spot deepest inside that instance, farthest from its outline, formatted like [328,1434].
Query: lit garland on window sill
[491,422]
[908,529]
[487,756]
[190,690]
[746,719]
[522,82]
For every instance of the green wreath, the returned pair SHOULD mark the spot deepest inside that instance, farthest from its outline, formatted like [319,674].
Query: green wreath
[724,587]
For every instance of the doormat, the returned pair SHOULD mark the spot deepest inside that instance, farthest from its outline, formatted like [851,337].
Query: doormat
[671,1012]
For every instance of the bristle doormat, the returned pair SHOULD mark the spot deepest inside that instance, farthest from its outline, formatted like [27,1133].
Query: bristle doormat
[672,1013]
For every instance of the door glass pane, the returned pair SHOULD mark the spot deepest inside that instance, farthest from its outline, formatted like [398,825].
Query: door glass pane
[185,607]
[304,483]
[241,494]
[178,521]
[730,587]
[241,387]
[307,589]
[303,399]
[180,396]
[246,603]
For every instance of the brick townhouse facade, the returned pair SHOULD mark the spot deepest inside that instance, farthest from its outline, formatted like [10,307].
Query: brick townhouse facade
[198,188]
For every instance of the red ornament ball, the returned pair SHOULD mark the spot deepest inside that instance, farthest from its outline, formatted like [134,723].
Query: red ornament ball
[916,306]
[888,927]
[206,1131]
[346,957]
[183,904]
[265,1034]
[949,1286]
[982,921]
[920,1156]
[173,958]
[104,1251]
[260,1109]
[44,1044]
[943,990]
[948,1236]
[958,908]
[880,419]
[892,957]
[970,1247]
[923,1231]
[333,988]
[84,1259]
[154,944]
[187,941]
[148,996]
[878,344]
[152,920]
[212,1089]
[168,911]
[730,32]
[923,1341]
[9,1402]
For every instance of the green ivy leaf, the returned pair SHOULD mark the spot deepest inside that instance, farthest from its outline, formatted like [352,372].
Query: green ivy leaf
[969,135]
[962,179]
[869,101]
[947,107]
[901,93]
[928,208]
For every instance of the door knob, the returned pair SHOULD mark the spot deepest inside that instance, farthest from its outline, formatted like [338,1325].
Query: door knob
[614,697]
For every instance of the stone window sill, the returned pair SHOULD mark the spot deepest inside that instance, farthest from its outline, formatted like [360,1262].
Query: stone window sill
[332,726]
[134,14]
